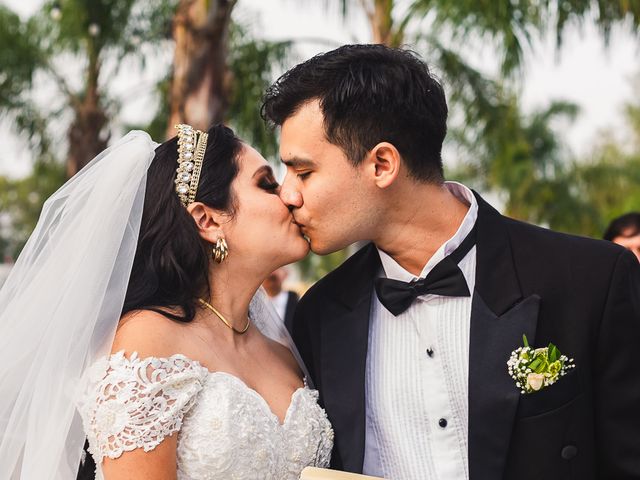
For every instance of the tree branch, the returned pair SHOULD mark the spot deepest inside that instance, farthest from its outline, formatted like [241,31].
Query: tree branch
[368,10]
[62,85]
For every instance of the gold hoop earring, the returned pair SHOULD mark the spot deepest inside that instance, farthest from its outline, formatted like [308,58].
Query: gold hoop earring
[220,251]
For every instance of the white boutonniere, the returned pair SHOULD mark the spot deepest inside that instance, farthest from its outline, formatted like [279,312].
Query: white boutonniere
[536,368]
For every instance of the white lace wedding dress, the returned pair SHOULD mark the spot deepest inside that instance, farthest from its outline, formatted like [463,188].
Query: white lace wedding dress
[225,429]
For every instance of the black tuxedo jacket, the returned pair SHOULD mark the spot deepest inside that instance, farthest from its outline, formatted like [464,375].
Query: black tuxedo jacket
[292,302]
[581,294]
[87,470]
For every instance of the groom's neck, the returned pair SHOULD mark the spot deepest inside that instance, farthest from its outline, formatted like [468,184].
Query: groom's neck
[419,218]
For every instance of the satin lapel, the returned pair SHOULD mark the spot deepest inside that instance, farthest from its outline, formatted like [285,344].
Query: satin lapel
[344,343]
[499,317]
[493,396]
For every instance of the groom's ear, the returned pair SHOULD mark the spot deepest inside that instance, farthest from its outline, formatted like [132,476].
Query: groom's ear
[384,163]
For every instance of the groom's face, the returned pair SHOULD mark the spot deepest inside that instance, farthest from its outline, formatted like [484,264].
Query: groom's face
[327,195]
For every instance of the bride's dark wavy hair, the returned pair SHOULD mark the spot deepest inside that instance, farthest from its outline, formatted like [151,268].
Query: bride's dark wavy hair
[171,261]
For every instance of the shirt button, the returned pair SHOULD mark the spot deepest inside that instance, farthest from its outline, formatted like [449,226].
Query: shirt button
[568,452]
[442,422]
[430,352]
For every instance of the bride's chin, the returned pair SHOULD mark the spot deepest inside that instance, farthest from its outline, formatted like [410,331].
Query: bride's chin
[299,248]
[305,246]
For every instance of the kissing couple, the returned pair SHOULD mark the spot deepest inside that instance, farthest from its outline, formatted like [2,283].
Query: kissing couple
[456,344]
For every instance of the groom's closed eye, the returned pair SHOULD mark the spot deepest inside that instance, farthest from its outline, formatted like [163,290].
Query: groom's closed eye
[302,167]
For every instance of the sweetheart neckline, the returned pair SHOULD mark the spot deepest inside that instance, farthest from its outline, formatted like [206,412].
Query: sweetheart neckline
[265,405]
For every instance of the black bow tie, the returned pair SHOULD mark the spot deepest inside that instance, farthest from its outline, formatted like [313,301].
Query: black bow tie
[444,279]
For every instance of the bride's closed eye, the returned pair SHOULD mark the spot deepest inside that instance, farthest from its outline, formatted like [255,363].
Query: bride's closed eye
[269,184]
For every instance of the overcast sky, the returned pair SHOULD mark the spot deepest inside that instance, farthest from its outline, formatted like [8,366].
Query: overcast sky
[596,78]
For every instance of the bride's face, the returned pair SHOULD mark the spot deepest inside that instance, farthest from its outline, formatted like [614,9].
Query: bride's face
[262,227]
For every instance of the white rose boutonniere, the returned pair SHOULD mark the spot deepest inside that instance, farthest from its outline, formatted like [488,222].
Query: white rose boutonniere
[536,368]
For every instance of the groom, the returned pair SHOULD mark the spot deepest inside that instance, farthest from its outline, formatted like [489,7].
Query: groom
[413,374]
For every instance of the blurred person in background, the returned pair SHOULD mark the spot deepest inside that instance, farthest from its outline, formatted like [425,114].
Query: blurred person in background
[284,301]
[625,230]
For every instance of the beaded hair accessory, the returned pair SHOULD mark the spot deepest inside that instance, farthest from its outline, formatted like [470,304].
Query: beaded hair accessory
[191,147]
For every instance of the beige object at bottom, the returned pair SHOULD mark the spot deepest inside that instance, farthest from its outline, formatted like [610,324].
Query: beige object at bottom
[312,473]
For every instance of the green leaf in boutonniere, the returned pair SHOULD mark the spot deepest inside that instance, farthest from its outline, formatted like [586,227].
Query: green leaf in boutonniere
[536,368]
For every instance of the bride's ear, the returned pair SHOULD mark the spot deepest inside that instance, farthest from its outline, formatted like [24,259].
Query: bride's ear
[208,221]
[384,161]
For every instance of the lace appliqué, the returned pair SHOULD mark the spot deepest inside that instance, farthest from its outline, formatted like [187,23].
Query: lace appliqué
[225,430]
[138,402]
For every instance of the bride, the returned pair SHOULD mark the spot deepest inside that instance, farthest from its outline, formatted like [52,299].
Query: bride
[133,317]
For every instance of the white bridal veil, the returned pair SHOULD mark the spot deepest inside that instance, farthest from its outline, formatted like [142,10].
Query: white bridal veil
[60,306]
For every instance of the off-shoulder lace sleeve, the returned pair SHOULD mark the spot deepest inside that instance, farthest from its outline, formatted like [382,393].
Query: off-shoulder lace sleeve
[136,403]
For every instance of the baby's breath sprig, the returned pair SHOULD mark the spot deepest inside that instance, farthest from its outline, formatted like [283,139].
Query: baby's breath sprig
[535,368]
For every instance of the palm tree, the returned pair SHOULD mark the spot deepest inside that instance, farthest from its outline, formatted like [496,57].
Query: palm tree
[510,24]
[38,51]
[505,150]
[609,180]
[199,93]
[98,35]
[447,32]
[525,160]
[89,32]
[522,158]
[217,78]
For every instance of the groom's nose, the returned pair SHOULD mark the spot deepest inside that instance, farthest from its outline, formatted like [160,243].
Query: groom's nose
[290,195]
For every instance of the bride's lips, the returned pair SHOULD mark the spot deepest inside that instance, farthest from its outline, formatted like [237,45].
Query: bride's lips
[302,229]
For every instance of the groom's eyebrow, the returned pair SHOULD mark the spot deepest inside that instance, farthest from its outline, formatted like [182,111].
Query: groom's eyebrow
[297,162]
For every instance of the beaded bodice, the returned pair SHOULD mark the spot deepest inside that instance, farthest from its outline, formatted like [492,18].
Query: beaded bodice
[225,429]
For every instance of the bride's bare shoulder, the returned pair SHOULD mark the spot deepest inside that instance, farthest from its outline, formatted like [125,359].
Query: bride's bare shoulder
[149,333]
[285,355]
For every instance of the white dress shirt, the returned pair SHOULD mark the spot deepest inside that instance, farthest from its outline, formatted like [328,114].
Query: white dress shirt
[417,373]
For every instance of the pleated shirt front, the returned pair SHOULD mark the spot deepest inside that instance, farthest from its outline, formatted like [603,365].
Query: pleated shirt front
[417,374]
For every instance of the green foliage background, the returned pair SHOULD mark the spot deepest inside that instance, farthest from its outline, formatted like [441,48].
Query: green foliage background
[519,156]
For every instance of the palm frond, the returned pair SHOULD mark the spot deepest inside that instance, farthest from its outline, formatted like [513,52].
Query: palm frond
[254,64]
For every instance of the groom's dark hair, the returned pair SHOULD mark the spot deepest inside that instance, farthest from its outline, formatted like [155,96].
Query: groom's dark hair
[369,94]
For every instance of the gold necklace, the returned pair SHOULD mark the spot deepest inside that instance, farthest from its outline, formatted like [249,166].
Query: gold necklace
[224,320]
